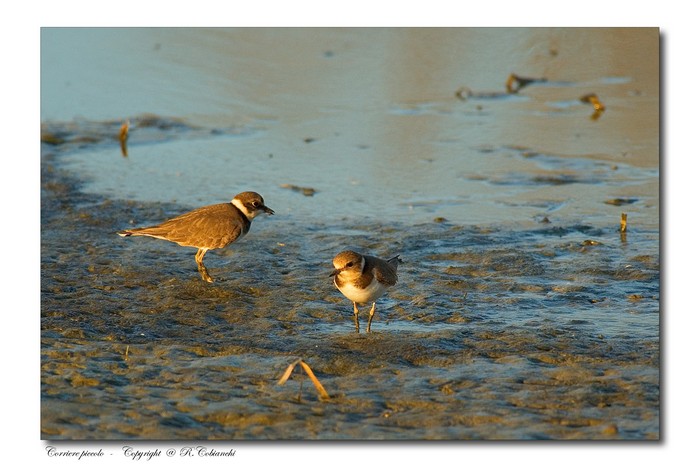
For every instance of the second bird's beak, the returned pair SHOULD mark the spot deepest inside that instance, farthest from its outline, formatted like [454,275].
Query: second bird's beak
[335,272]
[267,210]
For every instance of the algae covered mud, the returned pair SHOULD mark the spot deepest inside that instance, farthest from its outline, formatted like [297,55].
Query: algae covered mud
[522,311]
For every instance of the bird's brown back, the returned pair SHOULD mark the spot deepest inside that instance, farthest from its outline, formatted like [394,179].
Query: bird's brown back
[384,270]
[210,227]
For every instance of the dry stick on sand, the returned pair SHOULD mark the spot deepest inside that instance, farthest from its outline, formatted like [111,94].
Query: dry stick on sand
[598,107]
[123,136]
[307,368]
[623,227]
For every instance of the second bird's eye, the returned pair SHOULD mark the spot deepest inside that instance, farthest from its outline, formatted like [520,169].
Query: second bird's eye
[349,265]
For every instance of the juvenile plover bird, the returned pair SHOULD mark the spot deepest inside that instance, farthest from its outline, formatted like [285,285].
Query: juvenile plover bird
[363,279]
[209,227]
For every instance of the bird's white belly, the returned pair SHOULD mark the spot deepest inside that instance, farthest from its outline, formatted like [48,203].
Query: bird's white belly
[369,294]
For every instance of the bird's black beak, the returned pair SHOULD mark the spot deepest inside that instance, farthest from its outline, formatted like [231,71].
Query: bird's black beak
[334,273]
[267,210]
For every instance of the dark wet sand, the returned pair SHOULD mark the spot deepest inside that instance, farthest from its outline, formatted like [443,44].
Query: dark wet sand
[492,333]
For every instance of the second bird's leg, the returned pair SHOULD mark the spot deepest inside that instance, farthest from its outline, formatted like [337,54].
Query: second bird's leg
[357,320]
[199,257]
[371,315]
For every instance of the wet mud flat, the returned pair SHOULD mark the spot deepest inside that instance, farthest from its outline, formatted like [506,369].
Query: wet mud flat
[546,332]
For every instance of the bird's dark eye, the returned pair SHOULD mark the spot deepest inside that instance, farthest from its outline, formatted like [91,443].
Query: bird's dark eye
[349,265]
[255,204]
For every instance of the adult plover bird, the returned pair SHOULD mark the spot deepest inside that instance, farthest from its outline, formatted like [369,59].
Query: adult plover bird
[209,227]
[363,279]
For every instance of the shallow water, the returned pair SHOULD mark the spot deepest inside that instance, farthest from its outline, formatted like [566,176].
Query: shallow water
[521,312]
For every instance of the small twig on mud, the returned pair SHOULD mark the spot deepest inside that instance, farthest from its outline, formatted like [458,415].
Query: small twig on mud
[309,372]
[123,136]
[598,107]
[623,227]
[623,222]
